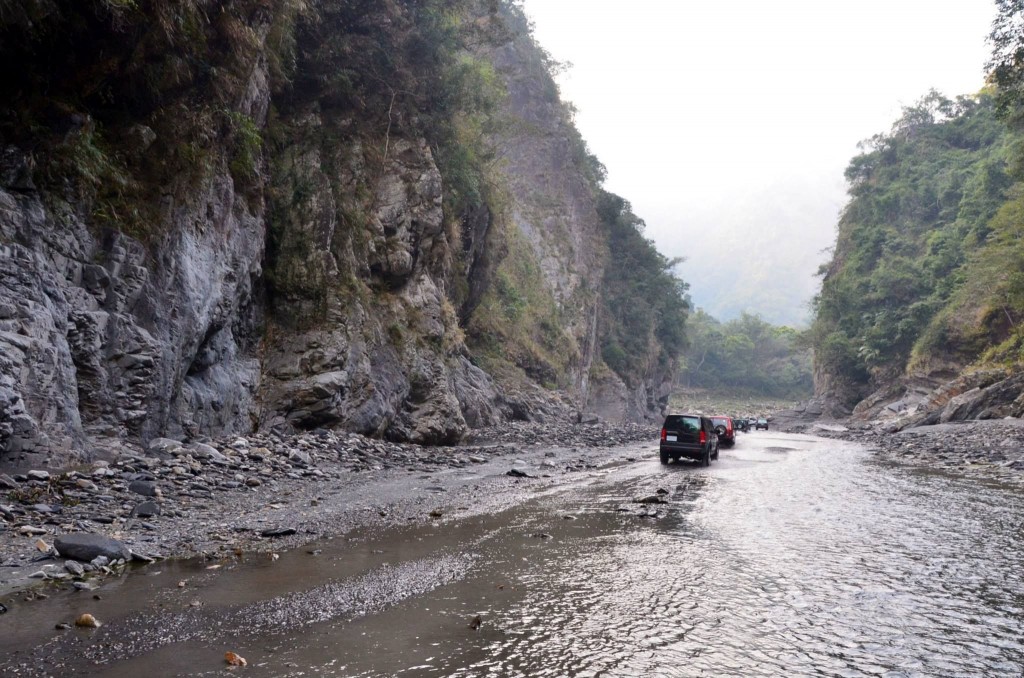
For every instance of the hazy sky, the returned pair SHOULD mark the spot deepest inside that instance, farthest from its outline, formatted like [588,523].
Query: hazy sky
[728,124]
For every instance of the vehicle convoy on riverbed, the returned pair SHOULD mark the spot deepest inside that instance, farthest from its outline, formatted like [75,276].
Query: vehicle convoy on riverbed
[688,435]
[587,560]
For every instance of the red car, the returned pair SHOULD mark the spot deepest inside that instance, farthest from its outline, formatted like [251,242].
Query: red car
[724,429]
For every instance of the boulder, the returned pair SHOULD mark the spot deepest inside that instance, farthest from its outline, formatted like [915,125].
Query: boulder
[146,509]
[204,451]
[85,547]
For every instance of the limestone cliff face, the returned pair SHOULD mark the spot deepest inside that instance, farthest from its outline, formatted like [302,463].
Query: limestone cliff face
[219,217]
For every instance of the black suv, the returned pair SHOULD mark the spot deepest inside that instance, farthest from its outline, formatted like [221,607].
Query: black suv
[688,435]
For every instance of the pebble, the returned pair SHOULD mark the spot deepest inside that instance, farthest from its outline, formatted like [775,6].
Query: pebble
[87,621]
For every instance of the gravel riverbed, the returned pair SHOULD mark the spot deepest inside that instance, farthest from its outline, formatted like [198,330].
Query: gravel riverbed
[993,448]
[219,498]
[266,493]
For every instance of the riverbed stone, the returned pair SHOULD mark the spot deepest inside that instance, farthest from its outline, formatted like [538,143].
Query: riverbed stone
[146,509]
[278,532]
[87,547]
[146,488]
[163,445]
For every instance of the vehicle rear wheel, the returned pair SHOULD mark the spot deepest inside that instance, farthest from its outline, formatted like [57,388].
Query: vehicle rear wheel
[664,457]
[705,459]
[717,450]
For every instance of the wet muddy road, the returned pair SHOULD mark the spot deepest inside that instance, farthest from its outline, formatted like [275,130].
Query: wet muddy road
[791,555]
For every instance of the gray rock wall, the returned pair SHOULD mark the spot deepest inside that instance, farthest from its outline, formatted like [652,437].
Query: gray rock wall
[317,292]
[363,335]
[105,337]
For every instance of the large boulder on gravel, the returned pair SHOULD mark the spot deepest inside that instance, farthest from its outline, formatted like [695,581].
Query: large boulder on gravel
[85,546]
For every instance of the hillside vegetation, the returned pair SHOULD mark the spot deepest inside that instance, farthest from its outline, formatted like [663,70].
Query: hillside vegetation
[916,278]
[746,356]
[927,276]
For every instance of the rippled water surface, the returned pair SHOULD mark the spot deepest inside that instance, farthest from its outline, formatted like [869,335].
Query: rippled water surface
[789,556]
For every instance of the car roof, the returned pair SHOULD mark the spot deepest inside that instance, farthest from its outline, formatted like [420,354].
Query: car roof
[687,414]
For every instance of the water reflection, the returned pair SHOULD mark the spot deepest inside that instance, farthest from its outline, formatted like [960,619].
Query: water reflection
[827,564]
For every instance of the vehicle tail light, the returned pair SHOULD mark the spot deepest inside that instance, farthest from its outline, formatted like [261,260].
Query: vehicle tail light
[728,428]
[703,437]
[663,434]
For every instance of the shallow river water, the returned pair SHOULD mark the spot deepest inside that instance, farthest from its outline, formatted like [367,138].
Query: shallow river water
[791,555]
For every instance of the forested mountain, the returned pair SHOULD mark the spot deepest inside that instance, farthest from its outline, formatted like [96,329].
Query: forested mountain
[747,356]
[926,285]
[919,278]
[220,216]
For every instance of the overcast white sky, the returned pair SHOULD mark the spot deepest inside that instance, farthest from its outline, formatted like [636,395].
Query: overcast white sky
[728,124]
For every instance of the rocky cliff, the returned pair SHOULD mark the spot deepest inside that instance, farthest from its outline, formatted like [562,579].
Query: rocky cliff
[221,217]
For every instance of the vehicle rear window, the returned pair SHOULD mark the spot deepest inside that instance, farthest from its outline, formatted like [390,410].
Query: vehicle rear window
[681,423]
[724,421]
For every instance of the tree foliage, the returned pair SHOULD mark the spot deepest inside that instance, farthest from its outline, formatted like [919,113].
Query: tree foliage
[746,355]
[645,307]
[922,200]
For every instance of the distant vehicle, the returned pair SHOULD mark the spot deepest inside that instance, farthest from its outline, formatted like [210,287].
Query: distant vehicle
[741,424]
[688,435]
[761,423]
[724,429]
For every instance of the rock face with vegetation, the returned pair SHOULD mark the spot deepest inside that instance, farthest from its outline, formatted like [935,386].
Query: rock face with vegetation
[919,315]
[224,217]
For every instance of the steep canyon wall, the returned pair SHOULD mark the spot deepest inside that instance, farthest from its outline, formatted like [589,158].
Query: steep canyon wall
[219,217]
